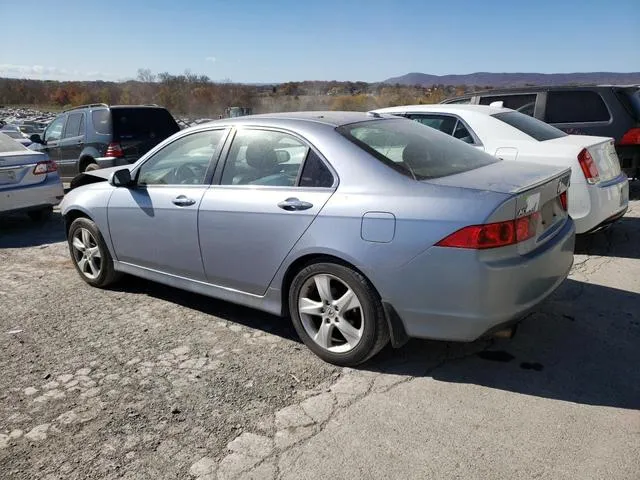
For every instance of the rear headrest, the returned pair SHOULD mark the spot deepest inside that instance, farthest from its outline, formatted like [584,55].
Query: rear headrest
[261,155]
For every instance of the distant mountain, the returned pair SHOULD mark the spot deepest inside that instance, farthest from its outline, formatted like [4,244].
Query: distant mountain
[517,79]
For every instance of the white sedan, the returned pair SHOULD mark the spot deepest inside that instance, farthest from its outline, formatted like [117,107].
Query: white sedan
[599,191]
[29,181]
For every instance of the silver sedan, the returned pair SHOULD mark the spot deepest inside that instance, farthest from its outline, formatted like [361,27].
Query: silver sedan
[362,228]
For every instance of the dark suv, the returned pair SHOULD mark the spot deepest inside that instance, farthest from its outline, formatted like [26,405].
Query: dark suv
[94,136]
[604,110]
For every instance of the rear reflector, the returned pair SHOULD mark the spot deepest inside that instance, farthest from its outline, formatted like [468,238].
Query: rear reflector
[45,167]
[114,150]
[588,166]
[632,137]
[493,235]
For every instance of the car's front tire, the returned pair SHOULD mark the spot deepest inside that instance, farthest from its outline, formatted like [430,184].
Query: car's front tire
[337,313]
[90,254]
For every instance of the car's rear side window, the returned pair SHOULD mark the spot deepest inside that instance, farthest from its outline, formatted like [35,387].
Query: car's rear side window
[145,122]
[531,126]
[101,121]
[414,149]
[575,106]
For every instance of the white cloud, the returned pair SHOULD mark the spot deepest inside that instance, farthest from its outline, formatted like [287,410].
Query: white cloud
[40,72]
[210,59]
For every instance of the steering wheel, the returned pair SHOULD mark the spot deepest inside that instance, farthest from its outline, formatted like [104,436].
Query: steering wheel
[188,174]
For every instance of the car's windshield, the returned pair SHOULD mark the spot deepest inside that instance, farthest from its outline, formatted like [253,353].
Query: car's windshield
[414,149]
[530,126]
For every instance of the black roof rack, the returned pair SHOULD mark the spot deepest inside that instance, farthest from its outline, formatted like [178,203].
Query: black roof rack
[89,105]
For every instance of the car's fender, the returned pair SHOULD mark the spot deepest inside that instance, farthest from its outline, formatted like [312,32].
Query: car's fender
[92,201]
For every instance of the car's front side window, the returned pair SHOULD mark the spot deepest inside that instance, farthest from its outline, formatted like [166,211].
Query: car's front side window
[183,162]
[54,131]
[264,157]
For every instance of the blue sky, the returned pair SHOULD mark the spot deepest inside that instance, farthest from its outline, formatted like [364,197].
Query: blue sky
[287,40]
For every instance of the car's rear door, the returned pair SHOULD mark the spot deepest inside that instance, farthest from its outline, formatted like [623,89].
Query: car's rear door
[271,188]
[154,224]
[71,144]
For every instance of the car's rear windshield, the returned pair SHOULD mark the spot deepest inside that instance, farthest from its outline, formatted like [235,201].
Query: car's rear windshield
[533,127]
[129,123]
[414,149]
[7,144]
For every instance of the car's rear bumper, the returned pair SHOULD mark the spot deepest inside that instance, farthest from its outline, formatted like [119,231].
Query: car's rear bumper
[592,206]
[629,156]
[453,294]
[47,193]
[106,162]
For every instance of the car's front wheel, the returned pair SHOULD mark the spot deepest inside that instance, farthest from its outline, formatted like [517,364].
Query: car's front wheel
[337,313]
[90,254]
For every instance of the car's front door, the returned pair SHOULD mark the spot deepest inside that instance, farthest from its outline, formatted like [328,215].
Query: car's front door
[51,138]
[71,144]
[272,187]
[154,223]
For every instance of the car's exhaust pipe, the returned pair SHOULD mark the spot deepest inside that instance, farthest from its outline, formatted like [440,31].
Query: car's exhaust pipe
[507,333]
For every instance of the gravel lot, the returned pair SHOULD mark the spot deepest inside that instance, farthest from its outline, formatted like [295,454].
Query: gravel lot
[144,381]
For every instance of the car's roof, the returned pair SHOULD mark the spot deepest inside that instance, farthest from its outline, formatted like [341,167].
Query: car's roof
[331,118]
[446,108]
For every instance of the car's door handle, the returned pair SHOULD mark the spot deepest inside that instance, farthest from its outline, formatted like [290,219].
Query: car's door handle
[292,204]
[183,201]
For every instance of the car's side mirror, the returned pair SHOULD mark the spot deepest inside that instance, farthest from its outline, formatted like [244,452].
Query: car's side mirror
[121,178]
[35,138]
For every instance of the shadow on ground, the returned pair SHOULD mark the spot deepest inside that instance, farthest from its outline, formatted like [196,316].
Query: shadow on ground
[621,240]
[238,314]
[19,231]
[583,346]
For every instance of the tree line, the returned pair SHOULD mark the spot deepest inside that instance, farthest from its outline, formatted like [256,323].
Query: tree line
[197,95]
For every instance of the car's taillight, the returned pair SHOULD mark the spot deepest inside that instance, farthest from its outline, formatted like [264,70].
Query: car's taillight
[588,166]
[114,150]
[632,137]
[493,235]
[564,201]
[45,167]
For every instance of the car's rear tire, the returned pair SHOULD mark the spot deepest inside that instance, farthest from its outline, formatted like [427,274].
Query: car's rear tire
[337,313]
[90,254]
[40,215]
[91,166]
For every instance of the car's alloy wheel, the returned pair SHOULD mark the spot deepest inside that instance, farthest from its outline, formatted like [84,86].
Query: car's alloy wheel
[90,254]
[331,313]
[86,253]
[337,313]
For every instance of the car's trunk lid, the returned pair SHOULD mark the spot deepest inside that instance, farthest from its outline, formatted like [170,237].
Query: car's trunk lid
[16,168]
[534,191]
[601,149]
